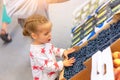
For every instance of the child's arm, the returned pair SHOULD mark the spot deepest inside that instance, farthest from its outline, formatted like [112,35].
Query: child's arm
[58,51]
[62,52]
[43,63]
[67,52]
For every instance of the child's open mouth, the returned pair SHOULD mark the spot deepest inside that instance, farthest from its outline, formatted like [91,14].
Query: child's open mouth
[49,39]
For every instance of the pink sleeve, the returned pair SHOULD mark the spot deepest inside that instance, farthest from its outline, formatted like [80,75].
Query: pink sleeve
[58,51]
[40,62]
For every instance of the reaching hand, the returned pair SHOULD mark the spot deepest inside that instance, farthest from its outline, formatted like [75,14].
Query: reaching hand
[68,62]
[67,52]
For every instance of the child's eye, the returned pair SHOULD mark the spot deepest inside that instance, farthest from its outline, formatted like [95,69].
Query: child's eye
[46,34]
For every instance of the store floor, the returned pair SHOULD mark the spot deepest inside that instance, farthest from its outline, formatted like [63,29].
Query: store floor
[14,57]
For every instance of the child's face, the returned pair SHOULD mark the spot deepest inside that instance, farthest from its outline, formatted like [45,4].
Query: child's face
[43,35]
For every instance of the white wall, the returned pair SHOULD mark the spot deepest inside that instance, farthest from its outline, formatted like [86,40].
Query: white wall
[61,17]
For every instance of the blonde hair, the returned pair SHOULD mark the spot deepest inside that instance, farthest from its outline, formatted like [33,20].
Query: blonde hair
[32,23]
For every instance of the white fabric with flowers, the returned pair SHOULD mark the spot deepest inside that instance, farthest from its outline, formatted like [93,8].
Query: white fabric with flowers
[43,61]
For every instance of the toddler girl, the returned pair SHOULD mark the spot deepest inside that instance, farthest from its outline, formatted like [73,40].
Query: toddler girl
[42,52]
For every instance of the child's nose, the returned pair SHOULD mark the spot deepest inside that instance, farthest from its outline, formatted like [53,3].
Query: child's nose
[50,34]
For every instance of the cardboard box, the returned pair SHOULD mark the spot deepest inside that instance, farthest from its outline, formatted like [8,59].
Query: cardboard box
[102,65]
[86,73]
[82,75]
[116,47]
[99,70]
[107,58]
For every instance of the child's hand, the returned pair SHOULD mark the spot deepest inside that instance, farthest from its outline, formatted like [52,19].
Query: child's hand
[69,51]
[68,62]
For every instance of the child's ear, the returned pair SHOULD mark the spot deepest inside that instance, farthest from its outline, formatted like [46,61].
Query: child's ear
[34,36]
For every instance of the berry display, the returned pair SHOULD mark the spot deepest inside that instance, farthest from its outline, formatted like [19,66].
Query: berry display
[104,39]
